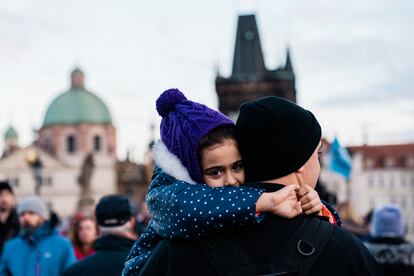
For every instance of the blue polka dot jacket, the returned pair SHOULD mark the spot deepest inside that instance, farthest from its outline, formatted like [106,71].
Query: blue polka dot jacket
[182,210]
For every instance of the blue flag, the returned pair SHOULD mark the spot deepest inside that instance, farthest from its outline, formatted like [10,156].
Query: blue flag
[340,160]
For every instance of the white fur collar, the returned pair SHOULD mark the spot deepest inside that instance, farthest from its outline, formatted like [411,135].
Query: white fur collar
[169,163]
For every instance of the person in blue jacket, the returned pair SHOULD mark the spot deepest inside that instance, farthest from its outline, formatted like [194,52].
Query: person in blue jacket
[38,250]
[198,145]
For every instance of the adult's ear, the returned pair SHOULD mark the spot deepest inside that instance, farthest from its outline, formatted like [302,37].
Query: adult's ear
[301,169]
[299,175]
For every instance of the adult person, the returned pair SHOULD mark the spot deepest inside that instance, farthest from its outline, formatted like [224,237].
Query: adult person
[39,249]
[388,244]
[116,222]
[83,233]
[280,144]
[204,141]
[9,221]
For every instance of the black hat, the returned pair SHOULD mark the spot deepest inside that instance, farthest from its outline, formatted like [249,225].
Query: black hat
[113,210]
[276,137]
[4,185]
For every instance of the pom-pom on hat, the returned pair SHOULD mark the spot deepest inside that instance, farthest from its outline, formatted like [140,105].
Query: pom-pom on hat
[183,125]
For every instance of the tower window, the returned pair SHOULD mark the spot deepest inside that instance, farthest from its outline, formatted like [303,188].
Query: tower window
[71,144]
[97,143]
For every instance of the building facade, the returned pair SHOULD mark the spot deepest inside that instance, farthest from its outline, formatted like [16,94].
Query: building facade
[381,174]
[72,163]
[384,174]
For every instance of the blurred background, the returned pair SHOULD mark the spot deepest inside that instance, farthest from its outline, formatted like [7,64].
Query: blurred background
[79,80]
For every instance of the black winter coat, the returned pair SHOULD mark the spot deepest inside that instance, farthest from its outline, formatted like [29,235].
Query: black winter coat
[394,255]
[109,258]
[343,253]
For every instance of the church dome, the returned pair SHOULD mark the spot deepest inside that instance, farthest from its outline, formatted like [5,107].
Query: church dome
[77,106]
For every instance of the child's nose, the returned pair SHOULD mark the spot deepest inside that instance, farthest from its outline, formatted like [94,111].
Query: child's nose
[231,180]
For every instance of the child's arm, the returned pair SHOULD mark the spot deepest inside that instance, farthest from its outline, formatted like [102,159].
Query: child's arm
[179,209]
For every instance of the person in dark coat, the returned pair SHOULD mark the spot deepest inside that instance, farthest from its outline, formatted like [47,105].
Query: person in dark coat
[280,145]
[180,207]
[116,222]
[9,220]
[388,244]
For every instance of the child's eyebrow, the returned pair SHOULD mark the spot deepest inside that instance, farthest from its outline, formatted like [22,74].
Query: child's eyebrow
[213,168]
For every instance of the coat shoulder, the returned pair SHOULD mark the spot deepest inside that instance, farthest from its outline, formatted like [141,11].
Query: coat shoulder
[13,244]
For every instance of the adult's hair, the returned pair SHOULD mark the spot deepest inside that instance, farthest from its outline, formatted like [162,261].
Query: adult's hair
[216,136]
[116,230]
[74,232]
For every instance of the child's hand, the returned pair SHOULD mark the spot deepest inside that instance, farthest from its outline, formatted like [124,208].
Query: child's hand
[309,198]
[282,203]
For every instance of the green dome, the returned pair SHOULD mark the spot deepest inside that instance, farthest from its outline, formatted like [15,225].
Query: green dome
[77,106]
[10,133]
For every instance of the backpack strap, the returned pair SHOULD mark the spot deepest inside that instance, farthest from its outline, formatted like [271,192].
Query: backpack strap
[306,244]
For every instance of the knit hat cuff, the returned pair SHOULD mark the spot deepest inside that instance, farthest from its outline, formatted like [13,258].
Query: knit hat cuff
[33,204]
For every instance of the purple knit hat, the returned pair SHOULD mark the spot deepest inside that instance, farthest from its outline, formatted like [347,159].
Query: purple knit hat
[183,125]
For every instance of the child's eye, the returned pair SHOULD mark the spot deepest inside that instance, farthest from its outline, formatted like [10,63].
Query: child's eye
[238,166]
[214,172]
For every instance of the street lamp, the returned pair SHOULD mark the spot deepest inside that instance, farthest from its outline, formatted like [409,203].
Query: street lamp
[34,162]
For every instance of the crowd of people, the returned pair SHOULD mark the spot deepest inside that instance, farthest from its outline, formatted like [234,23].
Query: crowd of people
[225,199]
[32,243]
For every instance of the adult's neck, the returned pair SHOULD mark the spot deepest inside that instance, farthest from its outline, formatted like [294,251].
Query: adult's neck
[285,180]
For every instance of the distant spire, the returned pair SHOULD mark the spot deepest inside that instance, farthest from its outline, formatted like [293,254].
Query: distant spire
[128,155]
[77,79]
[288,63]
[217,69]
[248,55]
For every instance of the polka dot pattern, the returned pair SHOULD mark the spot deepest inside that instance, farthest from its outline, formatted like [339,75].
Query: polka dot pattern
[180,210]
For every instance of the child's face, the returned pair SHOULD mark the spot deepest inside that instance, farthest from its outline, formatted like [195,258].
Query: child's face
[221,164]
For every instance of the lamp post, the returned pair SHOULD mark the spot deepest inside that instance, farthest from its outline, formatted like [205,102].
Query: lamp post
[34,162]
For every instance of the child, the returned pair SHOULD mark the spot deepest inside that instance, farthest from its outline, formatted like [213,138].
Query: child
[198,145]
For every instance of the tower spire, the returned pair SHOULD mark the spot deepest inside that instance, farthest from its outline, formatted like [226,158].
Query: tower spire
[248,55]
[288,63]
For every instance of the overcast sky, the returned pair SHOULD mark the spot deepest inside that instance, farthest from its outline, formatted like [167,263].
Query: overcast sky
[353,59]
